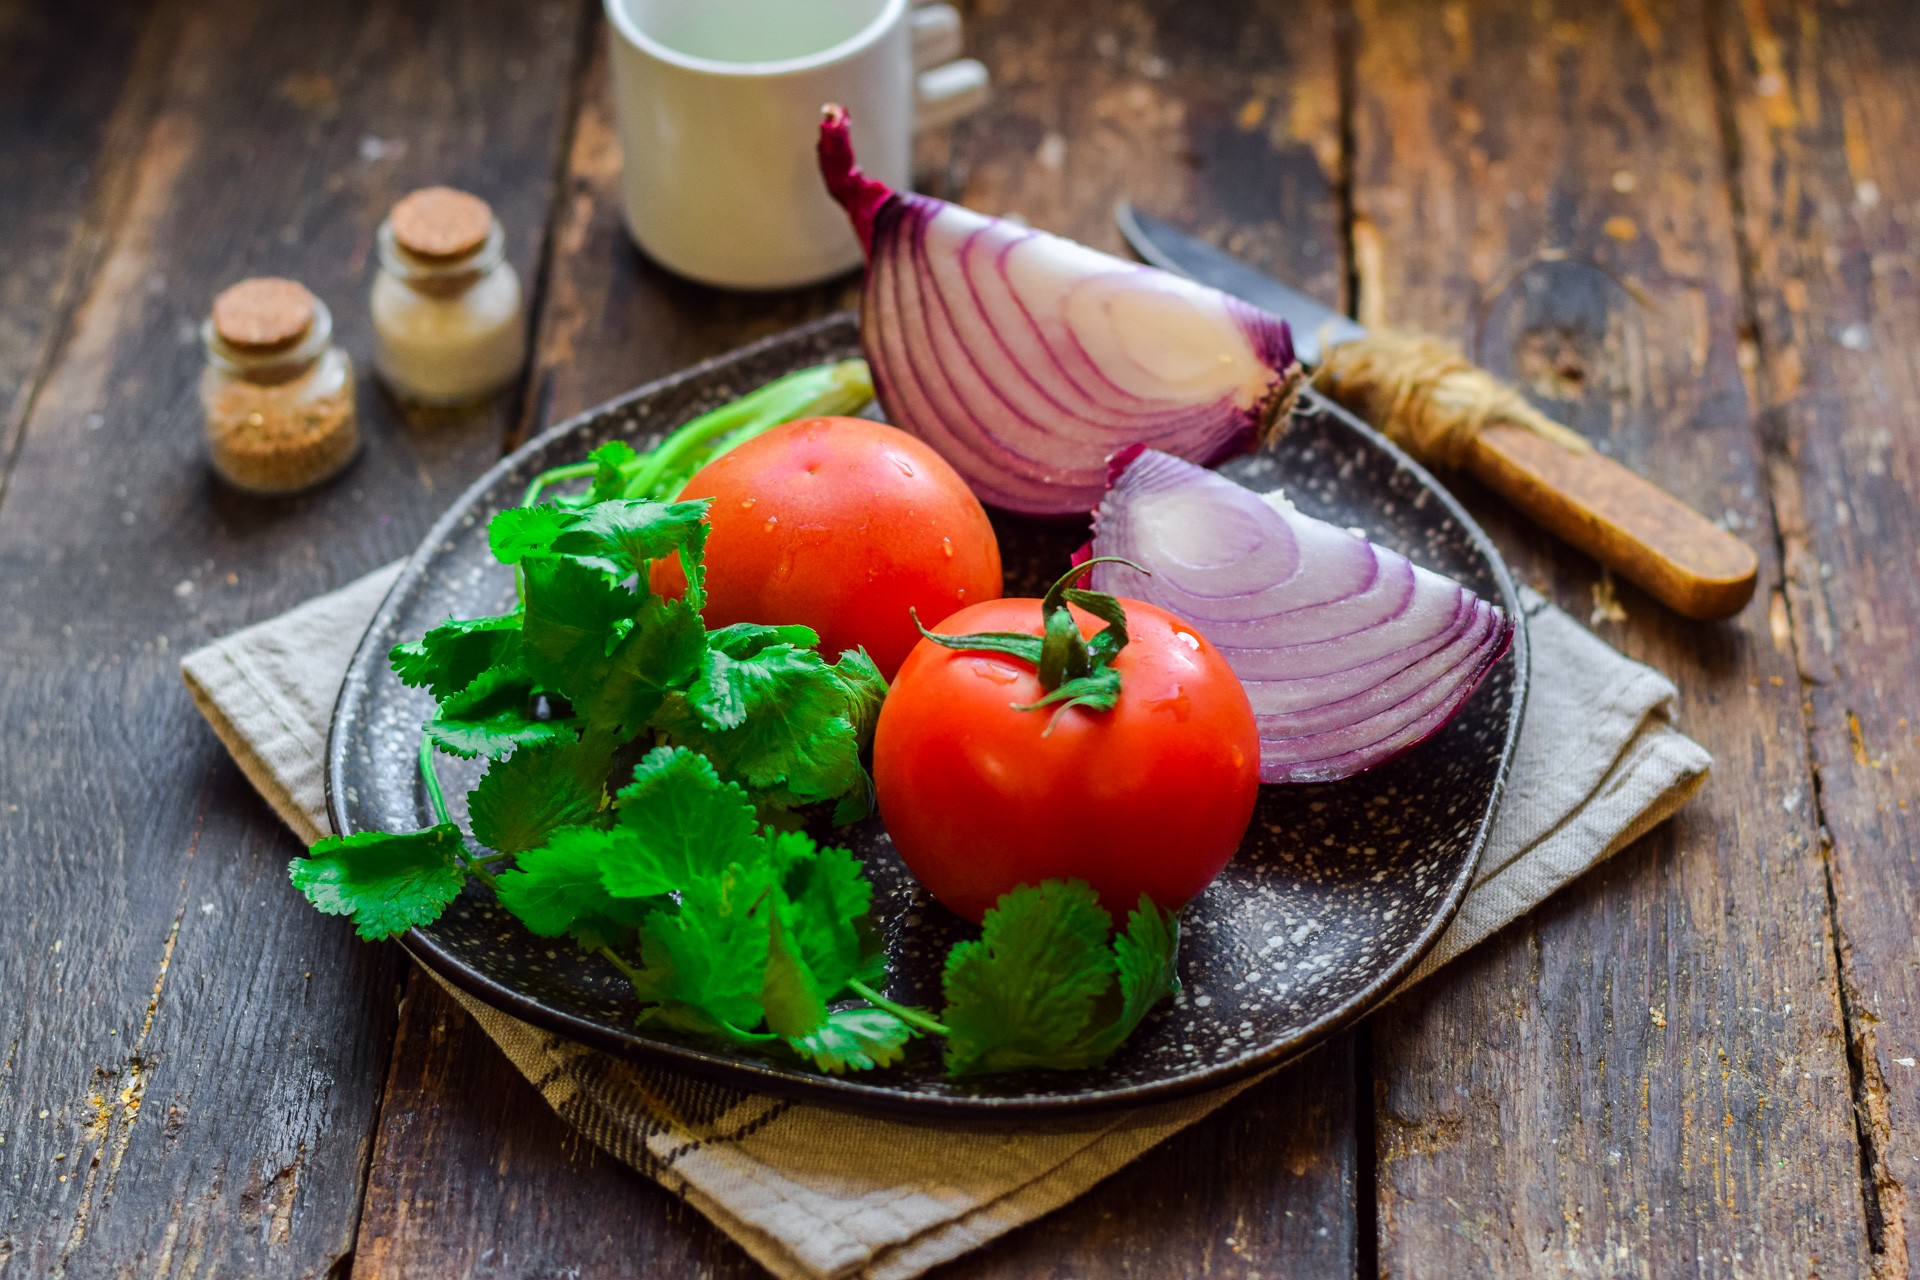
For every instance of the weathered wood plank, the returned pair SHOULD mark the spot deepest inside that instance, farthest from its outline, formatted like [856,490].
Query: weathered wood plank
[1828,117]
[71,71]
[191,1068]
[1230,121]
[1647,1077]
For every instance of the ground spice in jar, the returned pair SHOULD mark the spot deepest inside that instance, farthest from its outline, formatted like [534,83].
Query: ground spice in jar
[277,394]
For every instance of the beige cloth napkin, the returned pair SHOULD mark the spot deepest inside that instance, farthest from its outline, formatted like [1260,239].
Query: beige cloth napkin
[813,1192]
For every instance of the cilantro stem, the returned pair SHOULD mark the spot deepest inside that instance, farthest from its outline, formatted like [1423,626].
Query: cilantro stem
[631,974]
[832,388]
[572,471]
[912,1017]
[431,777]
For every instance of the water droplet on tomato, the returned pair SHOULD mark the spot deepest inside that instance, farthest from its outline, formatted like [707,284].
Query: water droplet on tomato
[771,522]
[946,545]
[906,468]
[746,504]
[1178,704]
[995,669]
[1188,639]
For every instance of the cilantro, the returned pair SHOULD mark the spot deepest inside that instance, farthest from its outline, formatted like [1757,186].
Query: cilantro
[686,825]
[861,1039]
[789,992]
[610,461]
[519,532]
[635,533]
[711,953]
[1038,987]
[744,639]
[493,715]
[449,657]
[574,617]
[556,889]
[387,883]
[525,798]
[777,720]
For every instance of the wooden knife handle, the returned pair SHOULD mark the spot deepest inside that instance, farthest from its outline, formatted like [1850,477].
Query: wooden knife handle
[1627,523]
[1444,409]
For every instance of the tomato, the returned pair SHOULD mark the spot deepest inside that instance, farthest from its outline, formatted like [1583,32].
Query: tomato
[842,525]
[1150,796]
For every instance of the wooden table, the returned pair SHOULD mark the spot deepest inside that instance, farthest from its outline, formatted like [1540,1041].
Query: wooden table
[1683,225]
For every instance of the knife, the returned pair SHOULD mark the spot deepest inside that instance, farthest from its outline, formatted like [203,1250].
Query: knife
[1626,522]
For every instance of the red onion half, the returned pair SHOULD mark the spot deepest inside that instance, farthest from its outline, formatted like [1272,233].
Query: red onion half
[1350,652]
[1026,359]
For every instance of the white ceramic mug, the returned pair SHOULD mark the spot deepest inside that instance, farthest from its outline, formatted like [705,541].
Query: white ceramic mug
[718,104]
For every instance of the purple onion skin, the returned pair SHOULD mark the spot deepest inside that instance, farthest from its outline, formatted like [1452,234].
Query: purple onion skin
[1027,360]
[1272,590]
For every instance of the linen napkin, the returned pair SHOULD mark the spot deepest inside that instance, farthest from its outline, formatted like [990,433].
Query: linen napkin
[814,1193]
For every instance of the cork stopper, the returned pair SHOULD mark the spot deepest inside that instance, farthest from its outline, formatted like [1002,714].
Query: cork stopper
[263,314]
[439,223]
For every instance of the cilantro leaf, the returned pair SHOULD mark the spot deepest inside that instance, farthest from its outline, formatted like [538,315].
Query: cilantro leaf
[493,715]
[449,657]
[518,532]
[574,618]
[387,883]
[661,654]
[1144,954]
[866,690]
[534,792]
[773,720]
[712,953]
[789,993]
[609,478]
[744,639]
[556,889]
[634,532]
[1025,991]
[688,826]
[860,1039]
[826,901]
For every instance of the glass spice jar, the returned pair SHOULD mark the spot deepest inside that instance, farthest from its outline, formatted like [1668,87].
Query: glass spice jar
[447,315]
[277,394]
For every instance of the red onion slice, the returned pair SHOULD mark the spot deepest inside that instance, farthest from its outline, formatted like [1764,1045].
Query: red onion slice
[1351,653]
[1026,359]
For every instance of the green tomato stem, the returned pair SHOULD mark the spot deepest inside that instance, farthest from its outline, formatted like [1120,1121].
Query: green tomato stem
[911,1017]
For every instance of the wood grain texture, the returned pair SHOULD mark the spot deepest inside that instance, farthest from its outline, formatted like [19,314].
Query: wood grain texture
[1228,122]
[192,1056]
[1648,1076]
[72,71]
[1827,110]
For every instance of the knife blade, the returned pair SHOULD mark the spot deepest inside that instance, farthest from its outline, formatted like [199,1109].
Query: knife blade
[1619,518]
[1315,325]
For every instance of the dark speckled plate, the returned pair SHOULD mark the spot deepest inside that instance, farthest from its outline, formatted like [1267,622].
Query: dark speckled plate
[1336,894]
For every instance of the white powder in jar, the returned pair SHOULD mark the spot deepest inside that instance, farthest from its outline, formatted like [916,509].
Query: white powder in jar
[448,320]
[449,349]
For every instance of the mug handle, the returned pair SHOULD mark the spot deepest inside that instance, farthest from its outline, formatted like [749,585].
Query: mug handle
[945,85]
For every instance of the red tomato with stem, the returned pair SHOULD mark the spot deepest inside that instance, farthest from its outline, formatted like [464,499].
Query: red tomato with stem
[1151,795]
[842,525]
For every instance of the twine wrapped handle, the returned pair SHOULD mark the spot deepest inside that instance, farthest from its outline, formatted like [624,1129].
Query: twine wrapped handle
[1429,398]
